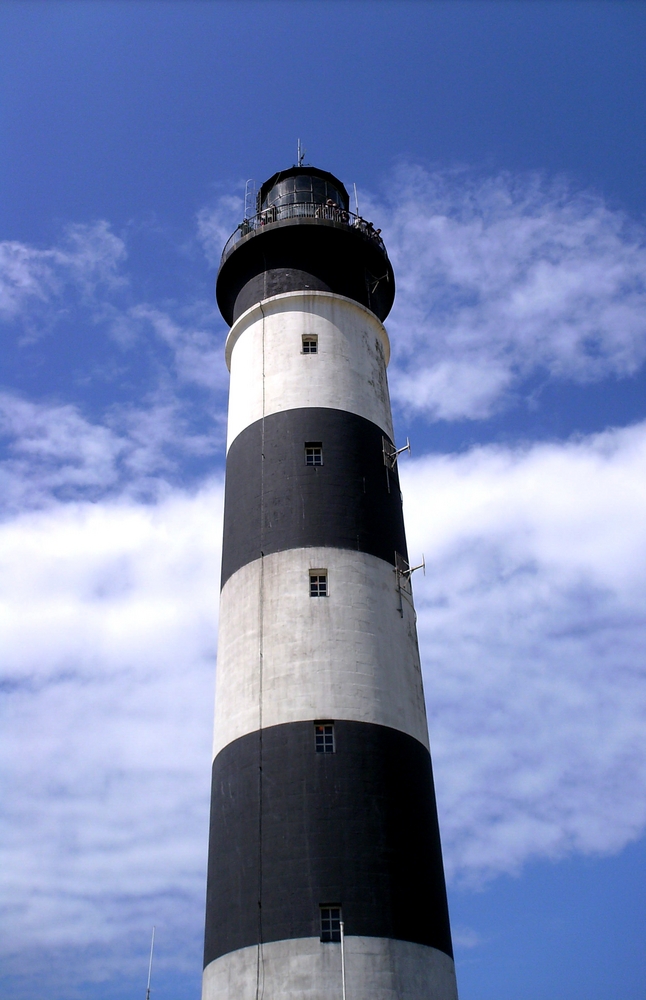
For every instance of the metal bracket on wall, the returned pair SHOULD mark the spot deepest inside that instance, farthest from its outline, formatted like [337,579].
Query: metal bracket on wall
[374,282]
[391,454]
[404,570]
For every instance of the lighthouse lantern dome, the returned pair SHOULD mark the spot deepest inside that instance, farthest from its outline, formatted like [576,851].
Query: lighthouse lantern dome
[302,185]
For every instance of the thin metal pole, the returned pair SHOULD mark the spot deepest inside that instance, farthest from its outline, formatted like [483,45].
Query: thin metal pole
[342,960]
[150,965]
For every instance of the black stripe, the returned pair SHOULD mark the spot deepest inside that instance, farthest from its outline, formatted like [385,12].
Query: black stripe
[357,827]
[304,254]
[351,502]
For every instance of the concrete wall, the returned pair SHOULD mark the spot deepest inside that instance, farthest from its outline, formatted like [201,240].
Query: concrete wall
[347,373]
[376,969]
[286,659]
[347,656]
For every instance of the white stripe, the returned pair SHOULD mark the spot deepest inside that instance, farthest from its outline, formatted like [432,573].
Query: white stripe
[348,372]
[306,969]
[350,655]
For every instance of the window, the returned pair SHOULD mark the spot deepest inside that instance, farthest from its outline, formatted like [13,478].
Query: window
[318,583]
[324,737]
[313,453]
[330,923]
[310,343]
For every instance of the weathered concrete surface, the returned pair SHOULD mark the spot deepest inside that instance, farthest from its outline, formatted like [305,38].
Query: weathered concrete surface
[376,969]
[284,656]
[347,373]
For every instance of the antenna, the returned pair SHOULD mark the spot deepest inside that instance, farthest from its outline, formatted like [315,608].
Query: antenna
[391,454]
[411,569]
[150,965]
[356,200]
[403,571]
[300,154]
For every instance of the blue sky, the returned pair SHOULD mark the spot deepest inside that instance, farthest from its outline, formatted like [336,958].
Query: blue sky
[501,148]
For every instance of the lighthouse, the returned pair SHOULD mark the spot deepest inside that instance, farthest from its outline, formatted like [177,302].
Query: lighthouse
[325,876]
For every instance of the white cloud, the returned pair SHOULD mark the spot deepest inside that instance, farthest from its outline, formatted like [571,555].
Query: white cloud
[55,453]
[82,281]
[108,614]
[215,224]
[54,450]
[89,260]
[499,278]
[198,354]
[465,937]
[160,441]
[533,631]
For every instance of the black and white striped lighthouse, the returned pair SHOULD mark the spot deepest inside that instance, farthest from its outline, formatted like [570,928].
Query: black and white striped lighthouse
[325,875]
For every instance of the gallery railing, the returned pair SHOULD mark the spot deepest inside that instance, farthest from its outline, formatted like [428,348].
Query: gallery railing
[302,210]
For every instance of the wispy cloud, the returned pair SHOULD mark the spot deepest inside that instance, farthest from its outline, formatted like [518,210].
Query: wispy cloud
[216,222]
[83,280]
[56,453]
[198,355]
[53,451]
[33,281]
[165,361]
[500,278]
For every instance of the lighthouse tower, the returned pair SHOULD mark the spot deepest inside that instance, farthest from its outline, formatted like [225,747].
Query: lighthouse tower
[325,875]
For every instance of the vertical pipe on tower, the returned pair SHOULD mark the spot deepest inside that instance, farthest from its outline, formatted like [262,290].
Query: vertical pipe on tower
[323,816]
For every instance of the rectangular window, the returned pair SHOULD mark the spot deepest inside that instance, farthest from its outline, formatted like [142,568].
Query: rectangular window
[324,737]
[330,923]
[310,343]
[313,453]
[318,583]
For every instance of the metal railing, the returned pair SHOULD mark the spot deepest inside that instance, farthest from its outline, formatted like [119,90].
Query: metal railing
[302,210]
